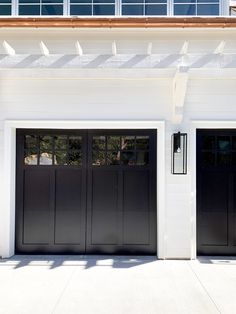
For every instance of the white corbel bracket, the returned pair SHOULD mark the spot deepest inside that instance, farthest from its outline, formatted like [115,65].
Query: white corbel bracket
[180,83]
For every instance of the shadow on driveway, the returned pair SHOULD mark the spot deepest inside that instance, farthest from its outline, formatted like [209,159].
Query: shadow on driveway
[86,262]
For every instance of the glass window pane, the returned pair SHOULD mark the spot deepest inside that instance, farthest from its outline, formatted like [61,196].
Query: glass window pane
[208,142]
[113,142]
[5,1]
[234,159]
[128,142]
[184,9]
[52,1]
[80,10]
[185,1]
[31,141]
[80,1]
[98,158]
[52,9]
[133,1]
[208,159]
[45,158]
[104,9]
[113,158]
[31,157]
[208,9]
[74,158]
[5,9]
[45,143]
[60,158]
[128,158]
[29,10]
[142,142]
[132,10]
[99,142]
[234,142]
[223,159]
[223,142]
[60,142]
[104,1]
[142,158]
[155,9]
[75,142]
[29,1]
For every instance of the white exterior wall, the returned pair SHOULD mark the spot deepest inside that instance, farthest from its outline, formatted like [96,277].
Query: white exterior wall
[52,94]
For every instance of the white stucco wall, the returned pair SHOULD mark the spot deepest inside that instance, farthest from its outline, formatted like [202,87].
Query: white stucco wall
[49,96]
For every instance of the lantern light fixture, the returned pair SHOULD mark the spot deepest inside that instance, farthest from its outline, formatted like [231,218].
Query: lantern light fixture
[179,153]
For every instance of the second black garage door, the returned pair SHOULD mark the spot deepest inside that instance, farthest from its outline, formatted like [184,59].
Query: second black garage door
[216,192]
[86,191]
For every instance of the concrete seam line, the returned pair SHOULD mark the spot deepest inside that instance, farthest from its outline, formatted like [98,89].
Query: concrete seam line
[204,288]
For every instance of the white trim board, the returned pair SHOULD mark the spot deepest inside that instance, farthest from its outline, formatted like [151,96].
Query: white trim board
[7,209]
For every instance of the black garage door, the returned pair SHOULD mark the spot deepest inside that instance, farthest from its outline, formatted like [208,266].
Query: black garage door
[216,192]
[86,191]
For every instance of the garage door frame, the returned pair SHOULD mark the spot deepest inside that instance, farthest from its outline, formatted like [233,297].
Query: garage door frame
[8,191]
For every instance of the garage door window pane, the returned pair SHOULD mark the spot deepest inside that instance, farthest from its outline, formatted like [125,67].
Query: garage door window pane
[60,158]
[128,142]
[99,142]
[113,158]
[60,142]
[99,158]
[142,142]
[223,159]
[113,142]
[223,142]
[31,157]
[75,142]
[45,158]
[128,158]
[142,158]
[75,158]
[208,159]
[208,142]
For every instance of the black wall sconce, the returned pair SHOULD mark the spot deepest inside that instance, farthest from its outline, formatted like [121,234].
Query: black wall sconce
[179,153]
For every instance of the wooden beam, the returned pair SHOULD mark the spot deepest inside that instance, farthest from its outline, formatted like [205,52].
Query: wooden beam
[116,22]
[180,83]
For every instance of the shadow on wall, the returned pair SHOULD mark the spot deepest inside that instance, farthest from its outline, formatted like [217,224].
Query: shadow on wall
[85,262]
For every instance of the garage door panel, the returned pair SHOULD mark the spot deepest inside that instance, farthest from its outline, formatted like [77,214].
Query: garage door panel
[105,231]
[214,186]
[104,190]
[69,211]
[136,190]
[214,228]
[37,207]
[136,228]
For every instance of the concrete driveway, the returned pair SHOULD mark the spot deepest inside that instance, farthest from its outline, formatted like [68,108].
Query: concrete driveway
[116,285]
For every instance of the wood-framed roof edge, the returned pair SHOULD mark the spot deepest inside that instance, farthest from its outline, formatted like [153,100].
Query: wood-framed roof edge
[118,22]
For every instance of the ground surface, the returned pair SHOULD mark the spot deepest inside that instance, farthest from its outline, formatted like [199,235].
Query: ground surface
[116,285]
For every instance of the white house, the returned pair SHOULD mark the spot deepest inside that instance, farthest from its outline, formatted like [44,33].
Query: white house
[91,158]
